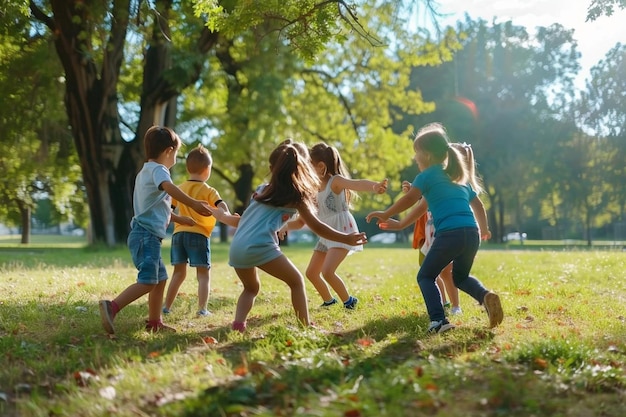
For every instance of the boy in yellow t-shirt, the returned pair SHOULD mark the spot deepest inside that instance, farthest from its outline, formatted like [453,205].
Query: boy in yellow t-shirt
[193,243]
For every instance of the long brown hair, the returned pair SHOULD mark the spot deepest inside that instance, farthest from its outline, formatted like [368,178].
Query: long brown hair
[293,181]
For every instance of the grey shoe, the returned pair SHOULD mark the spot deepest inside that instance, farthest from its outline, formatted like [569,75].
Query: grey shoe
[107,316]
[494,309]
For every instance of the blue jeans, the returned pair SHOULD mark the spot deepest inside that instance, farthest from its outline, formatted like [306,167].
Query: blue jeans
[192,247]
[458,246]
[145,249]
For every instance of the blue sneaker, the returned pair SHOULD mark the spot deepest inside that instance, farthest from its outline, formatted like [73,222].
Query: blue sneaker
[204,313]
[351,303]
[166,310]
[440,326]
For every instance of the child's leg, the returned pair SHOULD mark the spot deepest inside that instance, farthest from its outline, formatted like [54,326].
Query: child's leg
[155,301]
[204,287]
[132,293]
[471,285]
[451,289]
[334,257]
[178,277]
[444,247]
[251,285]
[441,286]
[314,274]
[283,269]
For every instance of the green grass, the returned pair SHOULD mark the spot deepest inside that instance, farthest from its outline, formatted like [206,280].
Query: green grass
[559,352]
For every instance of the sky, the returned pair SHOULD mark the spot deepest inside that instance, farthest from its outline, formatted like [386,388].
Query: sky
[594,39]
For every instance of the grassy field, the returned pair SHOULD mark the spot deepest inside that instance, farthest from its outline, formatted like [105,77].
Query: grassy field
[559,352]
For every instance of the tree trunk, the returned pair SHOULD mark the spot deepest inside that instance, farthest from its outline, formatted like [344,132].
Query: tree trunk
[108,163]
[25,216]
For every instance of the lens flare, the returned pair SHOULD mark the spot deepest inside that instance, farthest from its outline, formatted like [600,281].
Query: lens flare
[469,104]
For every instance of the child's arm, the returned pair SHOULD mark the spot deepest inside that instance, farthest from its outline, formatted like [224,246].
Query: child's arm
[295,224]
[222,205]
[418,211]
[481,217]
[403,203]
[225,217]
[187,221]
[322,229]
[341,183]
[179,195]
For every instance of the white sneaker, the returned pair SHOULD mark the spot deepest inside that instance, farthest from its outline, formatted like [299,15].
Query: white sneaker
[456,310]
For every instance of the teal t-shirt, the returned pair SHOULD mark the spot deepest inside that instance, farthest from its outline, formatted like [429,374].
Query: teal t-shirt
[447,201]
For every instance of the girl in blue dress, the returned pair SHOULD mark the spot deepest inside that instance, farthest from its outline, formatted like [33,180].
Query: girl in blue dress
[291,190]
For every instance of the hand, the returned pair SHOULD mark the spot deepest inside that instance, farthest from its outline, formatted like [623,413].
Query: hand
[406,186]
[377,215]
[486,235]
[381,187]
[203,208]
[355,239]
[282,233]
[187,221]
[218,212]
[390,224]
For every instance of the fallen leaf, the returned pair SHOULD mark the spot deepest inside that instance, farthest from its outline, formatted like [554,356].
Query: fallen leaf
[209,340]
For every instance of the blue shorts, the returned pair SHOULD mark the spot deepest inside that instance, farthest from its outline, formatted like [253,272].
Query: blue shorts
[192,247]
[145,249]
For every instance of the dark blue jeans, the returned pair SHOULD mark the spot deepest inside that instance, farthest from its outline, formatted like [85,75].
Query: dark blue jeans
[458,246]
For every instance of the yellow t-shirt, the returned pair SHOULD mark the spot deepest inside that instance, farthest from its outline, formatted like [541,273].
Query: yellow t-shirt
[200,191]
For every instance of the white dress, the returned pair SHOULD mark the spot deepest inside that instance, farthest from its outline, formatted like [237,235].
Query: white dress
[334,211]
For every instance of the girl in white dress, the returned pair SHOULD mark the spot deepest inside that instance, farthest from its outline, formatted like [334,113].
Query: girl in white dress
[333,204]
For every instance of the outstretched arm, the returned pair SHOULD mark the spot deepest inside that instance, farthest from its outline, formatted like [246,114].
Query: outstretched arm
[418,211]
[179,195]
[481,217]
[341,183]
[403,203]
[295,224]
[322,229]
[225,217]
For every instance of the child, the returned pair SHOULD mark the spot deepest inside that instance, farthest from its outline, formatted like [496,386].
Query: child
[292,189]
[443,181]
[152,213]
[333,203]
[193,243]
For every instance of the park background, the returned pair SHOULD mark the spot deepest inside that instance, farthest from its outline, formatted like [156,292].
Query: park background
[81,83]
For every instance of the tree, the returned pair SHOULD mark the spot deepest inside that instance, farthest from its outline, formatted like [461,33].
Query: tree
[496,94]
[601,110]
[38,158]
[92,41]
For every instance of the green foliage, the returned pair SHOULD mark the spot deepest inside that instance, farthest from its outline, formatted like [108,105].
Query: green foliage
[305,25]
[599,8]
[38,157]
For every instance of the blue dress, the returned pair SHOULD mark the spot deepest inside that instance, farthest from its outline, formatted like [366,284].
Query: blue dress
[256,241]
